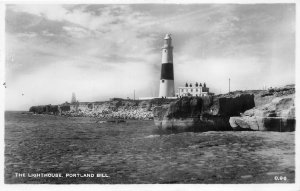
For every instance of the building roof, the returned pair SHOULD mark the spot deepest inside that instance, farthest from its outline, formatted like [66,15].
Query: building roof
[192,87]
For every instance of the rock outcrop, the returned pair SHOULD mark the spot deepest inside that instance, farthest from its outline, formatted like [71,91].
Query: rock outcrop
[278,115]
[201,113]
[48,109]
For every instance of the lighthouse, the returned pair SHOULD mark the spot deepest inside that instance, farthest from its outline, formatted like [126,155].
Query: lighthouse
[166,87]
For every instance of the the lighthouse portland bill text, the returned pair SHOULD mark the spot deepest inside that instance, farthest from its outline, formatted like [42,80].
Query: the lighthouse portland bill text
[150,94]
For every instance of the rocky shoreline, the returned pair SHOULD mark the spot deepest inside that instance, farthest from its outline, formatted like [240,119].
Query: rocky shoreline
[113,109]
[135,114]
[271,110]
[262,110]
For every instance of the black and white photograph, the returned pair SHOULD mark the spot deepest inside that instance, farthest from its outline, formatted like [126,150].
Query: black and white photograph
[149,93]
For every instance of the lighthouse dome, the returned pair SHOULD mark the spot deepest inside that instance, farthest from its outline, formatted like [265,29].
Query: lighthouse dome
[168,36]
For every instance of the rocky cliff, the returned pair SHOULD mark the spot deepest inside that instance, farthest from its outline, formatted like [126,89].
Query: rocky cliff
[202,113]
[276,112]
[264,110]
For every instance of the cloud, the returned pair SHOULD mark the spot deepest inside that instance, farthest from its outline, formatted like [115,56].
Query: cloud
[77,32]
[101,51]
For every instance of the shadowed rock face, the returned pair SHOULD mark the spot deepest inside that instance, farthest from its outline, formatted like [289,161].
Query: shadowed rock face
[201,113]
[182,108]
[185,107]
[233,106]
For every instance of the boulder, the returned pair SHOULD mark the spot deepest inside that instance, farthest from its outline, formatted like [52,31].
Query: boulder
[262,123]
[278,115]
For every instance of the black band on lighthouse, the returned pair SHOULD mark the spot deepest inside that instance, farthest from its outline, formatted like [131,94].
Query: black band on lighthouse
[167,71]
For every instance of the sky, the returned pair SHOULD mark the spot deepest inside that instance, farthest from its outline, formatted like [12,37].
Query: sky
[104,51]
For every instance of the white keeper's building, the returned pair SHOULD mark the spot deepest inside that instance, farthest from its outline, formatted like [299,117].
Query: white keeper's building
[190,90]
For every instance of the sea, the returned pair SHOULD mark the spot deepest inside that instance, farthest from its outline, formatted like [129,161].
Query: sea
[48,149]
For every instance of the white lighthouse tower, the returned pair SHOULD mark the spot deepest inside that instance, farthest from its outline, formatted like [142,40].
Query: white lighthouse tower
[166,87]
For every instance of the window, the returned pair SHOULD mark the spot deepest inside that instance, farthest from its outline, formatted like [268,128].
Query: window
[181,90]
[191,90]
[196,90]
[162,81]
